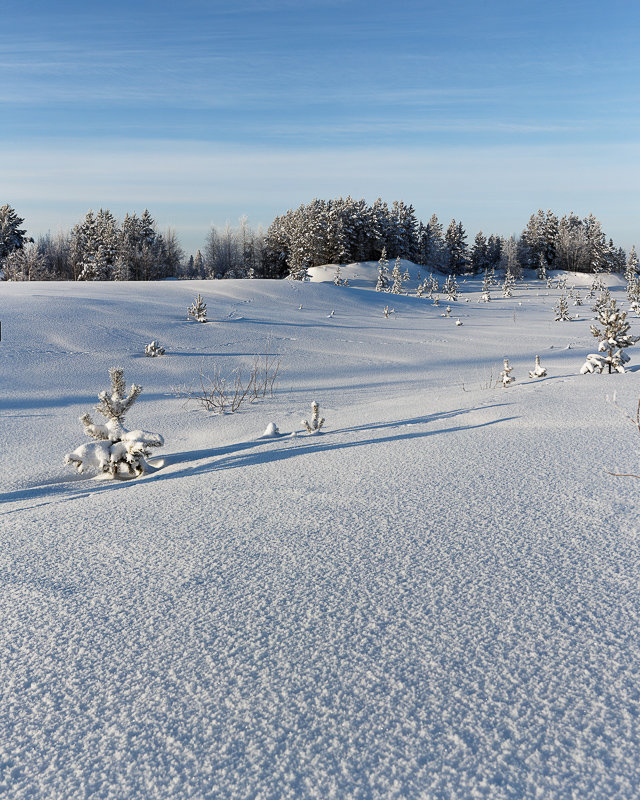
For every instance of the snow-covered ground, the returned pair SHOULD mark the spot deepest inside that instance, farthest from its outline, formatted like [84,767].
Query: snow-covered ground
[438,596]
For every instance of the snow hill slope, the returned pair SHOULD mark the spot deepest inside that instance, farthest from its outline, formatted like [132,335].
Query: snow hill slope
[436,597]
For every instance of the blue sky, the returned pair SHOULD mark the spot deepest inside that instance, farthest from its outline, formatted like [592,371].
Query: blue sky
[205,111]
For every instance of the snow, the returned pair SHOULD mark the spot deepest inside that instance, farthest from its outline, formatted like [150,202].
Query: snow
[437,598]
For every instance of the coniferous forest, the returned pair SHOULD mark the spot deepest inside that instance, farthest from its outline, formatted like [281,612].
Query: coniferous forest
[101,247]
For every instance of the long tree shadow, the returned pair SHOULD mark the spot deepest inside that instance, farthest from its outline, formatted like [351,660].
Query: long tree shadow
[234,456]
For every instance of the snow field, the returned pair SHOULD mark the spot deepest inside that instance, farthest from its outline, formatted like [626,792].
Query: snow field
[436,597]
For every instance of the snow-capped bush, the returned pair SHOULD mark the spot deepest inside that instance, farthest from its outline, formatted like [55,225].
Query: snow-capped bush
[198,310]
[116,451]
[271,431]
[614,338]
[505,375]
[316,420]
[538,370]
[153,349]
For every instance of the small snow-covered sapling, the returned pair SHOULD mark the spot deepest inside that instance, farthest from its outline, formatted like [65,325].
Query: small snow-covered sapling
[116,451]
[538,371]
[316,420]
[153,349]
[387,311]
[562,310]
[505,375]
[198,310]
[614,338]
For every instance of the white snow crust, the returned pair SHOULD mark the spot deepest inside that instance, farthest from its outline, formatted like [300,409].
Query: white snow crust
[437,598]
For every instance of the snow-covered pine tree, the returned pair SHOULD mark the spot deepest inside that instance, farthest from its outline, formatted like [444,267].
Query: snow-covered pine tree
[509,260]
[25,264]
[614,338]
[631,268]
[451,288]
[603,299]
[456,245]
[397,278]
[198,310]
[115,450]
[505,375]
[316,420]
[542,268]
[596,286]
[633,292]
[538,371]
[486,293]
[432,285]
[562,309]
[198,265]
[383,272]
[509,283]
[12,236]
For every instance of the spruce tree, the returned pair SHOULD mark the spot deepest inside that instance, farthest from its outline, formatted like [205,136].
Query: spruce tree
[382,284]
[451,288]
[509,282]
[397,278]
[12,236]
[115,451]
[198,310]
[562,309]
[614,338]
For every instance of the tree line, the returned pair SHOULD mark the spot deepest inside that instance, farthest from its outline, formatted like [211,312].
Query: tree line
[337,231]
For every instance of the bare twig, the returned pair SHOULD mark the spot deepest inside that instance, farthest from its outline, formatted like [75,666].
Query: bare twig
[220,394]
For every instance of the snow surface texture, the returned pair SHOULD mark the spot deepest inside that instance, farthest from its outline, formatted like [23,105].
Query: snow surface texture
[437,598]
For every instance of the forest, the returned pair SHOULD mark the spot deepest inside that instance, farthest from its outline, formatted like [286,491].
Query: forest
[338,231]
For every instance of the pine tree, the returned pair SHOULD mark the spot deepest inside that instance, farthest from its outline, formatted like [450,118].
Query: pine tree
[456,243]
[486,288]
[633,293]
[509,282]
[451,288]
[25,264]
[316,420]
[614,338]
[480,260]
[397,278]
[542,268]
[12,236]
[631,270]
[562,309]
[198,265]
[382,284]
[198,310]
[115,451]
